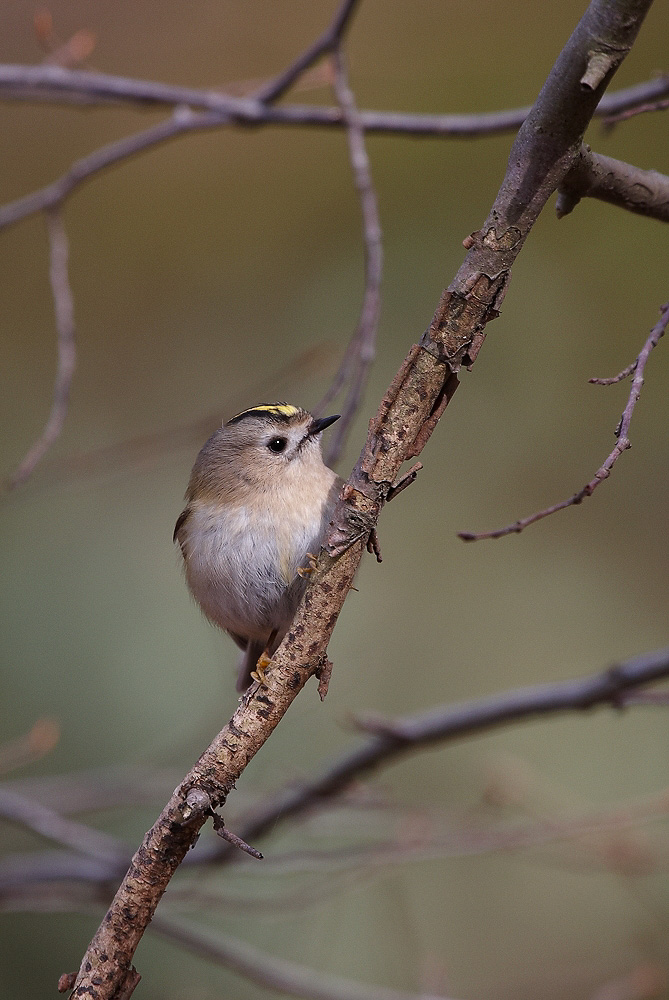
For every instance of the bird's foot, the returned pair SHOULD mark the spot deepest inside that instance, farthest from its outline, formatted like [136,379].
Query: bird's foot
[258,674]
[306,571]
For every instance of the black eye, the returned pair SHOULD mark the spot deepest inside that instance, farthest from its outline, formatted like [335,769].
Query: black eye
[277,444]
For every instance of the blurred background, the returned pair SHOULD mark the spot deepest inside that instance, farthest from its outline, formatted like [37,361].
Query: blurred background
[226,269]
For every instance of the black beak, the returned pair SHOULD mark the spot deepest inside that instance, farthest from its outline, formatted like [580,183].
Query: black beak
[316,426]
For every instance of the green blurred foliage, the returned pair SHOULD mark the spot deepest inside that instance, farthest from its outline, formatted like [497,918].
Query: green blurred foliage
[202,271]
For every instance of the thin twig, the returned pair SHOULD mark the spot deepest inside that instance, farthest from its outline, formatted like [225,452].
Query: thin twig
[359,355]
[54,194]
[622,431]
[440,834]
[67,355]
[625,373]
[328,42]
[232,838]
[271,972]
[642,109]
[391,740]
[46,822]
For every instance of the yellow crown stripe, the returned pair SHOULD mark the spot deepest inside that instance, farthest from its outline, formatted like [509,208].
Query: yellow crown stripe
[280,409]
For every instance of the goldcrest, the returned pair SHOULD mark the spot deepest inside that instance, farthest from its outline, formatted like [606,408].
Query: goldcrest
[258,503]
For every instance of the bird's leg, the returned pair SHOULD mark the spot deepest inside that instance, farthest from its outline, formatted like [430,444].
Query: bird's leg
[264,660]
[307,570]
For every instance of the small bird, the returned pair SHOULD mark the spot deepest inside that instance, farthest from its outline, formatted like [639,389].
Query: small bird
[258,503]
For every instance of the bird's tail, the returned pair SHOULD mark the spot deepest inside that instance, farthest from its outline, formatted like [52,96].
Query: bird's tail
[247,663]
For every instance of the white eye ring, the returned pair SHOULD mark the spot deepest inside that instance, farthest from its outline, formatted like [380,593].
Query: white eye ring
[277,444]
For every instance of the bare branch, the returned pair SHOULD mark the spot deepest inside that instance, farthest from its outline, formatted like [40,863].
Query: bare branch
[53,195]
[48,823]
[642,109]
[614,379]
[391,740]
[82,87]
[328,42]
[272,973]
[44,83]
[645,192]
[396,738]
[621,432]
[359,355]
[64,312]
[443,834]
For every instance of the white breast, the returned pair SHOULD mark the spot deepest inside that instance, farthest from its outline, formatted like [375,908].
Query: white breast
[241,563]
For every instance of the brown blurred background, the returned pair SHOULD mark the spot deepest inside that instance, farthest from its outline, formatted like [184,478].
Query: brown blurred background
[203,272]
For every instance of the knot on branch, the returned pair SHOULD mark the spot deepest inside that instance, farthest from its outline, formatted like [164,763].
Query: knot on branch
[616,682]
[198,803]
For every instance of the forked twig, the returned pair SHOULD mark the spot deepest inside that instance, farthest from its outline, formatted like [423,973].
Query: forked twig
[220,110]
[328,42]
[622,444]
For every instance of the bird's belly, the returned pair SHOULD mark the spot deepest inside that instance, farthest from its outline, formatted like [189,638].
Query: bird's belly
[245,578]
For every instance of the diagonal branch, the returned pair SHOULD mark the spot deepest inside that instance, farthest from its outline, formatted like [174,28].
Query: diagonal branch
[541,155]
[54,194]
[359,355]
[67,355]
[46,822]
[272,973]
[388,741]
[328,42]
[622,434]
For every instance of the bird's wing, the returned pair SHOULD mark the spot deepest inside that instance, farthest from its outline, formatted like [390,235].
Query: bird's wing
[181,520]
